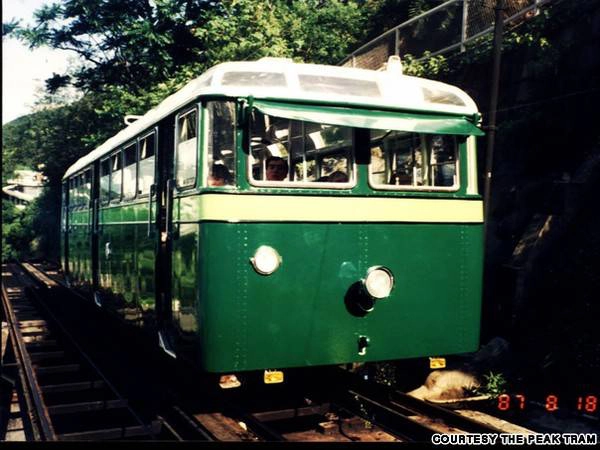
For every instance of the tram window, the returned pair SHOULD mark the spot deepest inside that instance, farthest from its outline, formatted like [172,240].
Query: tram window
[79,190]
[185,155]
[116,177]
[73,192]
[87,187]
[72,196]
[129,171]
[65,207]
[443,160]
[220,158]
[146,166]
[104,180]
[401,160]
[313,153]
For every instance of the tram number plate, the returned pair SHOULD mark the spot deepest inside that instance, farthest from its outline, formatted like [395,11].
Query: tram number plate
[273,376]
[437,363]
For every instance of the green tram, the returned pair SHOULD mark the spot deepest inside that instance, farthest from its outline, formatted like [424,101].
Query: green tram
[273,215]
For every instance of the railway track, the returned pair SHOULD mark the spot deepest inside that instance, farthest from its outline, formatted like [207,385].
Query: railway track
[67,396]
[62,385]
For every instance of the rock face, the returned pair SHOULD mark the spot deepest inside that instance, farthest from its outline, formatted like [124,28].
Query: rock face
[459,382]
[446,385]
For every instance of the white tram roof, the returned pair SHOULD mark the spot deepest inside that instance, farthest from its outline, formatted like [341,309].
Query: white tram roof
[282,79]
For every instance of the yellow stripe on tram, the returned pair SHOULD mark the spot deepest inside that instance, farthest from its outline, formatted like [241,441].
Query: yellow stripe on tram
[280,208]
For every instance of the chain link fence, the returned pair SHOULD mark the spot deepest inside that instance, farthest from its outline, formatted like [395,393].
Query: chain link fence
[447,27]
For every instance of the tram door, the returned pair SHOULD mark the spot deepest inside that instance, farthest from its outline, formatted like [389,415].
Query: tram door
[177,175]
[161,234]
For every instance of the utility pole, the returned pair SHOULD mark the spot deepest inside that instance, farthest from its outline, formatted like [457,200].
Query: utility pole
[491,127]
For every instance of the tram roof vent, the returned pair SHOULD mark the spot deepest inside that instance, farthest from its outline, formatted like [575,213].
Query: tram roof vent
[394,65]
[130,118]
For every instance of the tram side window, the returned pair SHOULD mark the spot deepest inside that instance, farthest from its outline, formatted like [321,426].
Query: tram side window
[185,155]
[105,181]
[146,165]
[129,171]
[299,153]
[65,207]
[221,143]
[72,194]
[116,177]
[411,160]
[78,190]
[87,187]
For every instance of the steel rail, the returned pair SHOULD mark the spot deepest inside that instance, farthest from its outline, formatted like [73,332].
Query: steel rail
[192,423]
[261,429]
[449,417]
[389,419]
[405,405]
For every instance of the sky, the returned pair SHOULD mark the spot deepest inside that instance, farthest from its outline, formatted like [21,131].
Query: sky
[24,70]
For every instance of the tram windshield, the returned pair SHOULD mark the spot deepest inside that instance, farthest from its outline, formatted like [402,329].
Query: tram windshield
[404,152]
[401,159]
[300,153]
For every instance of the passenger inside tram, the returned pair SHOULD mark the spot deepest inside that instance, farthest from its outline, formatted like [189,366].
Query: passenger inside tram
[219,176]
[277,168]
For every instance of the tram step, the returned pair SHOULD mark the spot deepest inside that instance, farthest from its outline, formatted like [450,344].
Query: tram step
[42,356]
[113,433]
[87,406]
[58,369]
[69,387]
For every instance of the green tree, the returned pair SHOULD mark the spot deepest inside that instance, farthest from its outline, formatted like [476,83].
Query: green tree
[17,231]
[310,31]
[128,43]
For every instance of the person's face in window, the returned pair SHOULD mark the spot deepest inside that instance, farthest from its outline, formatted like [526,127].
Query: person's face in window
[214,180]
[276,170]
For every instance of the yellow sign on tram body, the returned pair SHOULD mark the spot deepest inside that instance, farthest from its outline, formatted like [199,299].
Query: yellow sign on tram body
[273,376]
[437,363]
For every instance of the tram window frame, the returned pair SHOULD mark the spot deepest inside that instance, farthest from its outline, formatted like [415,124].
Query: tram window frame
[209,143]
[129,195]
[104,199]
[305,136]
[426,151]
[119,195]
[140,192]
[189,111]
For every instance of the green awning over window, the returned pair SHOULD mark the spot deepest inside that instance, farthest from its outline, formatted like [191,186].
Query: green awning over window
[365,118]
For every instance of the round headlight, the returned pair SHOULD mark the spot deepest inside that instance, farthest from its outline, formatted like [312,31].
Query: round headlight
[266,260]
[379,282]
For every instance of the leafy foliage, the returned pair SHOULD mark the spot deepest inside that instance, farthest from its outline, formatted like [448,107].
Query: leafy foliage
[17,231]
[122,42]
[494,385]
